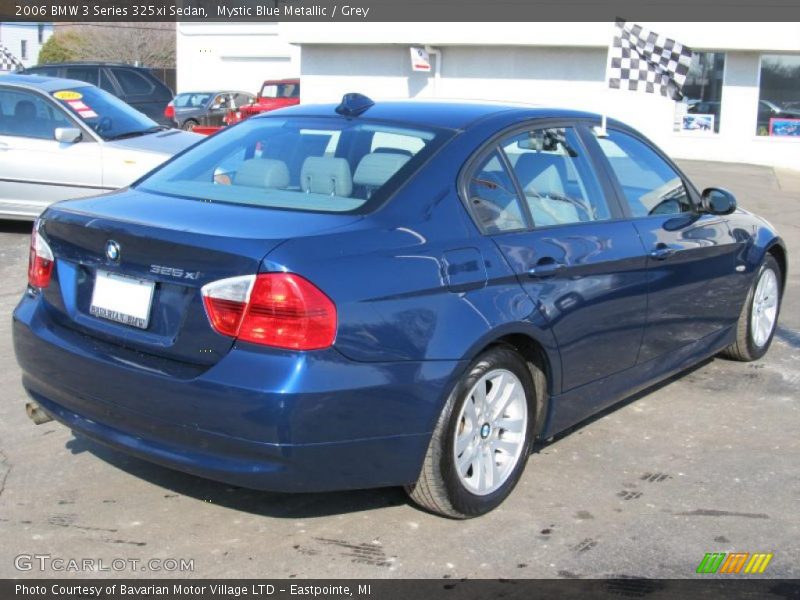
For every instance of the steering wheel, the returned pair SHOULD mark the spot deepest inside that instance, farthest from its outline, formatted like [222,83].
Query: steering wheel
[104,124]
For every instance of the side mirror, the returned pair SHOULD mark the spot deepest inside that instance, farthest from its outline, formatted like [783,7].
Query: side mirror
[718,201]
[67,135]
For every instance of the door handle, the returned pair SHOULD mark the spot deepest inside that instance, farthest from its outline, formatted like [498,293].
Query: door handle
[546,266]
[662,252]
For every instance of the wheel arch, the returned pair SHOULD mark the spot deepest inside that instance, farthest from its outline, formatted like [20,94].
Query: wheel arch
[778,251]
[538,359]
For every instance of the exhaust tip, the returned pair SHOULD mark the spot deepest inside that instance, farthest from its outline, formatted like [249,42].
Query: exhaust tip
[36,413]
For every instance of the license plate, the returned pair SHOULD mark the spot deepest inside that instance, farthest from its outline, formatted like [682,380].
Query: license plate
[122,299]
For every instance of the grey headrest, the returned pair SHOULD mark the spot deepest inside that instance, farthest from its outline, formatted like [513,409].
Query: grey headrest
[326,175]
[262,172]
[542,172]
[375,169]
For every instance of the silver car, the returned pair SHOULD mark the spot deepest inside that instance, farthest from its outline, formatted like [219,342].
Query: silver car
[63,139]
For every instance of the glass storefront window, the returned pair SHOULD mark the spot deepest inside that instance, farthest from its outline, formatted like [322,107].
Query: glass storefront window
[779,96]
[703,92]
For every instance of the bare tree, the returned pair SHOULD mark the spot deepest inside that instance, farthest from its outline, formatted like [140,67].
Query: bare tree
[147,44]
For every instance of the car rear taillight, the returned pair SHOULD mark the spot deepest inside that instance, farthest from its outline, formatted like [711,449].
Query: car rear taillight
[282,310]
[40,260]
[169,111]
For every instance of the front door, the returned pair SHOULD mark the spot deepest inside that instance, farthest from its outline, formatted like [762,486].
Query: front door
[37,170]
[693,287]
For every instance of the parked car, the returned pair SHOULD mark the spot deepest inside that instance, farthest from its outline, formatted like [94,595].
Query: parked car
[274,94]
[135,85]
[207,109]
[61,138]
[391,294]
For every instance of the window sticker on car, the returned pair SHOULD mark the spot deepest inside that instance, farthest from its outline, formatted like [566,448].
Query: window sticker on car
[85,112]
[67,95]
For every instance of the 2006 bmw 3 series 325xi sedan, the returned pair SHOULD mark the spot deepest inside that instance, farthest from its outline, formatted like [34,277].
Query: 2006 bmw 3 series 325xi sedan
[386,294]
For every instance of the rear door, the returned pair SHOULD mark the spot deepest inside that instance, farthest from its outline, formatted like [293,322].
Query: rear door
[38,170]
[536,193]
[691,255]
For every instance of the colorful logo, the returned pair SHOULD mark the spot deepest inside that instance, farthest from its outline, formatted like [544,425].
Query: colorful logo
[734,563]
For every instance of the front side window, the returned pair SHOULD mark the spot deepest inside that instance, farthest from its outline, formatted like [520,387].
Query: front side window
[243,100]
[25,114]
[556,177]
[649,184]
[779,96]
[492,197]
[311,164]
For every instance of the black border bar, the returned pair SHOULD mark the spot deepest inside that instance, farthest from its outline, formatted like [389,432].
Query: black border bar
[710,11]
[619,588]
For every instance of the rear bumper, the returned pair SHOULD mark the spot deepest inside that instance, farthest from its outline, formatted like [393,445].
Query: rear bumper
[263,419]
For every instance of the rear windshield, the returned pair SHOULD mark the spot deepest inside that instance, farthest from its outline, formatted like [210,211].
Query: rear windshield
[311,164]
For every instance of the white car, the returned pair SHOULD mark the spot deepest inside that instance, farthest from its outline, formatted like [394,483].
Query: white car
[62,139]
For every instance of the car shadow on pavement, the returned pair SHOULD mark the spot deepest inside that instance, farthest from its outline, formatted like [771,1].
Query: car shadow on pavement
[15,226]
[541,444]
[302,505]
[269,504]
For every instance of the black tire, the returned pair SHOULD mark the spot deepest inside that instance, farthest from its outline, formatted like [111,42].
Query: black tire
[438,488]
[189,124]
[744,349]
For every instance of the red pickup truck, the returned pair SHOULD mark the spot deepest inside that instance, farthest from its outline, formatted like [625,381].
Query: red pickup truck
[275,93]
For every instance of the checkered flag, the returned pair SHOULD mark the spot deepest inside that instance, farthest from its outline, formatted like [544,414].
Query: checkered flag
[9,62]
[642,59]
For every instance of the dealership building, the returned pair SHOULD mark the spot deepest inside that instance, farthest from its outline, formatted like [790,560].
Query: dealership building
[742,95]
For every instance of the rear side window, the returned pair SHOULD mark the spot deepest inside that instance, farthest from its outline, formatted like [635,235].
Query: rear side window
[87,74]
[133,83]
[556,177]
[650,185]
[492,197]
[311,164]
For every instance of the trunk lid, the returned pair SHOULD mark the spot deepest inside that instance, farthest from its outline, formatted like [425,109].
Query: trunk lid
[178,244]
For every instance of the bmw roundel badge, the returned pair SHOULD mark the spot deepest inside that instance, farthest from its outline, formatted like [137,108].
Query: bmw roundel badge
[112,251]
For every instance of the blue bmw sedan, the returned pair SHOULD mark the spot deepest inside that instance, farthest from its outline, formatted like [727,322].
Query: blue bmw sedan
[386,294]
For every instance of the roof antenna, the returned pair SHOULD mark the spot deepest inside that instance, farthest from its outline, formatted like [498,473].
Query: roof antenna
[354,104]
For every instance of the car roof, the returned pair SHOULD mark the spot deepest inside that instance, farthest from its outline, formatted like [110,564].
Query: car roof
[41,82]
[88,63]
[434,113]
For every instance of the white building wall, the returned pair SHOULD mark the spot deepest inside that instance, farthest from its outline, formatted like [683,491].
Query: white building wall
[557,64]
[232,55]
[572,77]
[12,35]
